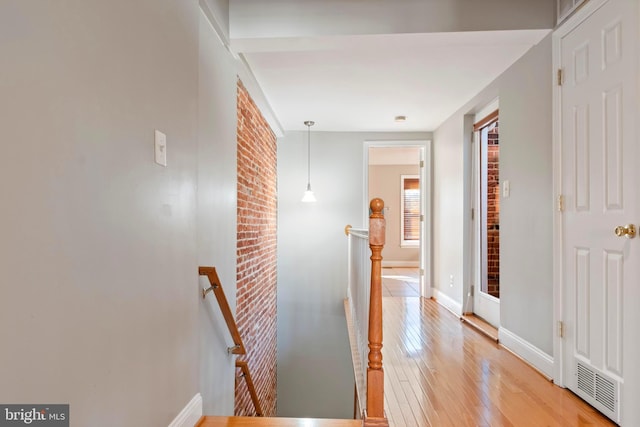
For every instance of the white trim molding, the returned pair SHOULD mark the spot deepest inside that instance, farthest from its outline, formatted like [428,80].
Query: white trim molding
[217,26]
[190,414]
[528,352]
[250,82]
[447,302]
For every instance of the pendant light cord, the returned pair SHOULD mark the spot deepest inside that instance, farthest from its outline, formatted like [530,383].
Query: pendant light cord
[308,154]
[309,123]
[308,194]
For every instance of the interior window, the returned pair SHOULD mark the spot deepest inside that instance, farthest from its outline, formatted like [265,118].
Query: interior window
[410,224]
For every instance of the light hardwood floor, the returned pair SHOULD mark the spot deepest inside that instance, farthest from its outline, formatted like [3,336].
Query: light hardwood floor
[275,422]
[400,282]
[441,372]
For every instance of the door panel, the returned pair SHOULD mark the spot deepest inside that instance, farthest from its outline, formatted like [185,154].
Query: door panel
[598,144]
[614,268]
[583,291]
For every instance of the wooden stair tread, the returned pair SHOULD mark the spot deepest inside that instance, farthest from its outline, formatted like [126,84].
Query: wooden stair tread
[215,421]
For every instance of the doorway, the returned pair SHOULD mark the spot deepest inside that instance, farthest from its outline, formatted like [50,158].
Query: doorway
[485,288]
[399,173]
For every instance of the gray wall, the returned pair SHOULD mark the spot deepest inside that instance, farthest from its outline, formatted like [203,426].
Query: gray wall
[315,376]
[526,306]
[285,18]
[217,214]
[99,302]
[384,182]
[449,207]
[526,217]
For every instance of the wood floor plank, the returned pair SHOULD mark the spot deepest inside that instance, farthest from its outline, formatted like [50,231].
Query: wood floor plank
[440,372]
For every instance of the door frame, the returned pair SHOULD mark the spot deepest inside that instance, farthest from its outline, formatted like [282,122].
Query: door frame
[425,197]
[474,238]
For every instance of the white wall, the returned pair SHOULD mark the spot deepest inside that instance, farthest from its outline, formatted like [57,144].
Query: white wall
[217,214]
[315,377]
[448,208]
[99,303]
[385,182]
[525,217]
[287,18]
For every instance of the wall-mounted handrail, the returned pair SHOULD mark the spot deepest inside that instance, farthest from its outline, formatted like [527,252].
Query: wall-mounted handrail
[217,290]
[359,232]
[244,367]
[238,347]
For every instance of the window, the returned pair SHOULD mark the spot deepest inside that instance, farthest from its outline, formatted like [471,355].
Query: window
[410,210]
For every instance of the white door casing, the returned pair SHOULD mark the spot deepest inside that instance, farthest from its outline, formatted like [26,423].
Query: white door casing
[425,260]
[596,169]
[425,244]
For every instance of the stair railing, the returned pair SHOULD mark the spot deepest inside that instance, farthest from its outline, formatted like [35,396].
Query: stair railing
[364,307]
[238,347]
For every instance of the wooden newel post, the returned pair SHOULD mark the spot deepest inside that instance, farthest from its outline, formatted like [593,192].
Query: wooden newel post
[375,374]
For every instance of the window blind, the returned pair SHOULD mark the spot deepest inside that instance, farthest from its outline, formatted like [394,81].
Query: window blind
[411,204]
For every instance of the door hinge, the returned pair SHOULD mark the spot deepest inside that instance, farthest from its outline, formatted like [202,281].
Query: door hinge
[473,214]
[560,329]
[421,218]
[560,76]
[560,203]
[422,271]
[471,290]
[421,163]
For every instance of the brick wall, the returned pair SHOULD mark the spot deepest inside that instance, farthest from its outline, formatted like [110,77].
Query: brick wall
[256,267]
[493,211]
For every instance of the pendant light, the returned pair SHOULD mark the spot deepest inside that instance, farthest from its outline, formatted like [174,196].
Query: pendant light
[308,196]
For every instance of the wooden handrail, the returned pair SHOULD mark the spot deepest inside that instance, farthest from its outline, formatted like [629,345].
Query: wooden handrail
[216,287]
[244,367]
[374,415]
[238,347]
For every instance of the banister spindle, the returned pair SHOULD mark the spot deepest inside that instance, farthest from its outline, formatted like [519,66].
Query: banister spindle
[375,373]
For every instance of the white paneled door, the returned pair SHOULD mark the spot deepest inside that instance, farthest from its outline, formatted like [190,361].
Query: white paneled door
[599,185]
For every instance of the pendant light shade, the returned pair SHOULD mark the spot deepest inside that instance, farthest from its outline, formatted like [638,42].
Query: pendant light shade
[308,196]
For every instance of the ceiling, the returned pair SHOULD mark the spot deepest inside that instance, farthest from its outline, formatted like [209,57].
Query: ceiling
[360,83]
[308,67]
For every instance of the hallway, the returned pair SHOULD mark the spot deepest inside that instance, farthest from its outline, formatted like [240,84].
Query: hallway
[440,372]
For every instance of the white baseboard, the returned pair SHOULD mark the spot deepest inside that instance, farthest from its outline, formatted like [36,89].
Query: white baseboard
[527,352]
[190,415]
[447,302]
[408,264]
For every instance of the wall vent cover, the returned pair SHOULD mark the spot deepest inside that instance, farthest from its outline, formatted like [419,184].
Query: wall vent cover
[598,389]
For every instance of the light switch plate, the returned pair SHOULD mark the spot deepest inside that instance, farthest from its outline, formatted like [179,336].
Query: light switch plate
[506,189]
[161,148]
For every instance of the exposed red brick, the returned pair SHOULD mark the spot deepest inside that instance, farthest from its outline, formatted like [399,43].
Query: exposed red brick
[256,256]
[493,211]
